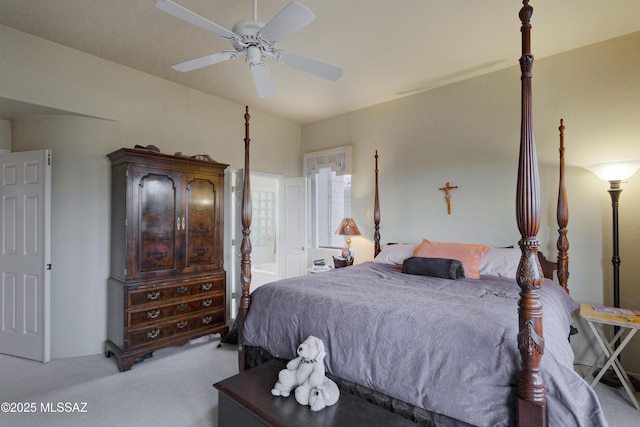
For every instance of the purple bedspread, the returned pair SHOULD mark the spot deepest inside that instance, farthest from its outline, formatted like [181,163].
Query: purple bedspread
[443,345]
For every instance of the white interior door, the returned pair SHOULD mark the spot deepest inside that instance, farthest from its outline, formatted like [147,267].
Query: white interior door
[236,229]
[229,239]
[25,191]
[292,253]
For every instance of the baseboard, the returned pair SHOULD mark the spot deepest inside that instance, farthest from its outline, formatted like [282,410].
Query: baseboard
[89,352]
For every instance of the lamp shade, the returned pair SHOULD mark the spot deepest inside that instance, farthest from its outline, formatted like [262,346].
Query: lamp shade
[615,171]
[348,227]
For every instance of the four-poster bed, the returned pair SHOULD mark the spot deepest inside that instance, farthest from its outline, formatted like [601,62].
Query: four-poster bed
[457,327]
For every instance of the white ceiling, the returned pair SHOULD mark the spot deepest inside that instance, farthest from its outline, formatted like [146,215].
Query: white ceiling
[388,49]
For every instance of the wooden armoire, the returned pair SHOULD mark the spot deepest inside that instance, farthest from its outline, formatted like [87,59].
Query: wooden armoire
[167,281]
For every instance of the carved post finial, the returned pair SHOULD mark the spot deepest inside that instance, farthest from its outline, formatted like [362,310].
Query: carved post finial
[376,215]
[562,216]
[245,247]
[531,390]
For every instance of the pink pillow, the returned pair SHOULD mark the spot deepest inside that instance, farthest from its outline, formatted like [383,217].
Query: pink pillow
[470,255]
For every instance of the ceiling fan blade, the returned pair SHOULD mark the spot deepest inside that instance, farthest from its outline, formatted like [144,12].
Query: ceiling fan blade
[289,20]
[263,80]
[203,61]
[193,18]
[322,69]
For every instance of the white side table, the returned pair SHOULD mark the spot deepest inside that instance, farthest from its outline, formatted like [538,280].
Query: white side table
[628,324]
[319,270]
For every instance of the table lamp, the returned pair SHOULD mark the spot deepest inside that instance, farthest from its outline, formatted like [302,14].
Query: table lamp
[348,228]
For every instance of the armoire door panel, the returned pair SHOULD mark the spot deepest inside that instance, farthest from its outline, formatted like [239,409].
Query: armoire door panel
[158,224]
[202,233]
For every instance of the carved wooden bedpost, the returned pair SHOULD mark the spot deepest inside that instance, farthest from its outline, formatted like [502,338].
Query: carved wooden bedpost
[531,407]
[376,215]
[563,220]
[245,249]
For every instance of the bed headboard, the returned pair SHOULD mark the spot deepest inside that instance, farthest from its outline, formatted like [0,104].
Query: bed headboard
[560,267]
[563,219]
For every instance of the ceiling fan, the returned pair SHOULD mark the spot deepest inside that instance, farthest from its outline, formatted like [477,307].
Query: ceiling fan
[256,40]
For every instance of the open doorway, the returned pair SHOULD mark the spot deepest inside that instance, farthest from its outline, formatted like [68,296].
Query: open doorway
[278,231]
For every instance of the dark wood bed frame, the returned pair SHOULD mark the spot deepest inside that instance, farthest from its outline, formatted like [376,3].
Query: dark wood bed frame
[533,267]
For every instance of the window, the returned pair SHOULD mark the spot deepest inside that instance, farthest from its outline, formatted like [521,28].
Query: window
[330,173]
[263,222]
[332,204]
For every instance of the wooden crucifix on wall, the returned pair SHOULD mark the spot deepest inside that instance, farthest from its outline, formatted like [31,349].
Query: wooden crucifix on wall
[447,194]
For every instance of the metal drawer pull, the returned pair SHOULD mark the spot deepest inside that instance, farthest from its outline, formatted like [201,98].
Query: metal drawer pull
[153,333]
[153,314]
[182,289]
[182,325]
[153,295]
[182,307]
[207,302]
[207,286]
[207,320]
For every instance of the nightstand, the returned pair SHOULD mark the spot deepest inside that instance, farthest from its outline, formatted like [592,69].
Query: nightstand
[628,324]
[313,270]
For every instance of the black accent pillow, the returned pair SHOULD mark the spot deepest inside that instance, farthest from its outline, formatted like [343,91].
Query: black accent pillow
[435,267]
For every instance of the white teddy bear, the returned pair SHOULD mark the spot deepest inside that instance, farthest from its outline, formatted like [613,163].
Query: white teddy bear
[324,395]
[302,373]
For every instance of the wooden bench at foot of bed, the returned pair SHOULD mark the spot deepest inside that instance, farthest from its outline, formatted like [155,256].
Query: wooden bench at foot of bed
[245,400]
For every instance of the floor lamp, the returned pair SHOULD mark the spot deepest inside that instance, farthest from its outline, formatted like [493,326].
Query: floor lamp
[615,173]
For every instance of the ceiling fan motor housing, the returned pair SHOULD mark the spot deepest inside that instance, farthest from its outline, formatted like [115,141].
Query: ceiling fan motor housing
[254,45]
[247,28]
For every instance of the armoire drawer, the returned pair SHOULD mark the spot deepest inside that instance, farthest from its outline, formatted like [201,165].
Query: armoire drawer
[159,294]
[148,335]
[178,308]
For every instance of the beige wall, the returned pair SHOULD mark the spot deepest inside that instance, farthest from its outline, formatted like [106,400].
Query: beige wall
[468,134]
[5,135]
[114,107]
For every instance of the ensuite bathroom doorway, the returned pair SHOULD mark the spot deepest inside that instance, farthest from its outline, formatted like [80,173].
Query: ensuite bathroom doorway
[278,230]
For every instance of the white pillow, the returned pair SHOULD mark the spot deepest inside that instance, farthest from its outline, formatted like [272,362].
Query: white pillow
[395,254]
[501,262]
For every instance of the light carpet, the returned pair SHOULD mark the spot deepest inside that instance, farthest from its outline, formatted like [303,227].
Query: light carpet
[174,388]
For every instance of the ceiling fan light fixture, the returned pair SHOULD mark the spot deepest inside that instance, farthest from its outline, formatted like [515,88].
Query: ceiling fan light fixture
[253,55]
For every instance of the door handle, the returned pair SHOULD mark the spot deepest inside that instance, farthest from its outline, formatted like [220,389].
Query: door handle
[178,223]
